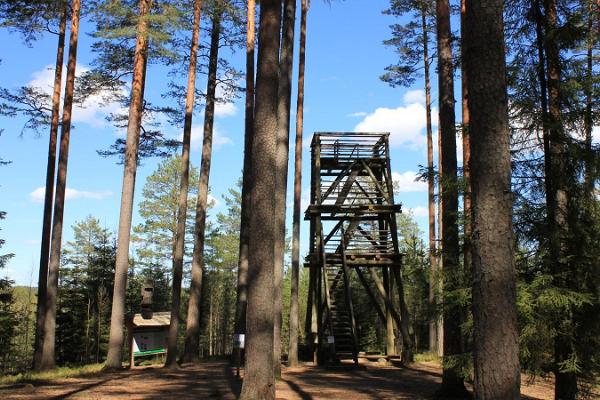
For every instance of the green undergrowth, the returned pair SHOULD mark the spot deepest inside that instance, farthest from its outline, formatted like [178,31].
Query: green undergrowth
[51,375]
[426,357]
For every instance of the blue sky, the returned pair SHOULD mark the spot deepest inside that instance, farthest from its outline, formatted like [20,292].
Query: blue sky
[345,57]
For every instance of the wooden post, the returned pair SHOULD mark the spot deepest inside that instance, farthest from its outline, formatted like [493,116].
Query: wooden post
[389,322]
[371,295]
[131,356]
[331,349]
[385,296]
[310,326]
[319,304]
[349,300]
[403,325]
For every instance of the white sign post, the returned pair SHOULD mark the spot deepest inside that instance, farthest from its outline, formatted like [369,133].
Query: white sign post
[150,342]
[239,341]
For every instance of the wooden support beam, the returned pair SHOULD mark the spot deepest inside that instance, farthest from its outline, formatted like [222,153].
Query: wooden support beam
[352,226]
[355,209]
[366,234]
[362,189]
[377,183]
[370,293]
[407,355]
[370,260]
[319,293]
[384,296]
[326,287]
[337,180]
[390,185]
[347,186]
[349,302]
[334,230]
[389,321]
[310,324]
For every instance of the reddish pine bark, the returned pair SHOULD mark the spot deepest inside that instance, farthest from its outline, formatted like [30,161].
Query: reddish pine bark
[293,340]
[47,359]
[189,353]
[242,284]
[49,193]
[115,345]
[433,278]
[452,381]
[466,148]
[193,329]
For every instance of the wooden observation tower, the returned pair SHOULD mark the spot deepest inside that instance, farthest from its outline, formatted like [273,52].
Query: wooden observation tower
[352,231]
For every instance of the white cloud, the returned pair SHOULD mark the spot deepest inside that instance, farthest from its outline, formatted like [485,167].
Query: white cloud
[304,199]
[419,211]
[225,110]
[33,242]
[92,112]
[414,97]
[37,196]
[459,148]
[406,182]
[406,124]
[596,134]
[357,114]
[219,138]
[212,201]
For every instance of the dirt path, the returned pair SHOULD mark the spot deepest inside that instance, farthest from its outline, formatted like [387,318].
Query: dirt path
[216,380]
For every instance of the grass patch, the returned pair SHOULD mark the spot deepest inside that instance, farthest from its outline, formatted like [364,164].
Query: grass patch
[427,357]
[51,375]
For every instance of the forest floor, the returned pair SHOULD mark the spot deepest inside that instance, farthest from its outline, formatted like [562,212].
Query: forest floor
[217,380]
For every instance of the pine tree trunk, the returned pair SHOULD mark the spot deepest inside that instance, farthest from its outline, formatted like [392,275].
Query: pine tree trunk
[281,168]
[497,373]
[47,360]
[439,282]
[588,116]
[98,334]
[433,276]
[210,326]
[557,187]
[185,160]
[258,379]
[115,345]
[466,142]
[543,89]
[49,193]
[598,15]
[192,332]
[87,333]
[452,381]
[293,340]
[466,148]
[242,284]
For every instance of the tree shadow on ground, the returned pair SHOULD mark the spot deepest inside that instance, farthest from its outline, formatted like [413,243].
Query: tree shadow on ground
[215,379]
[85,387]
